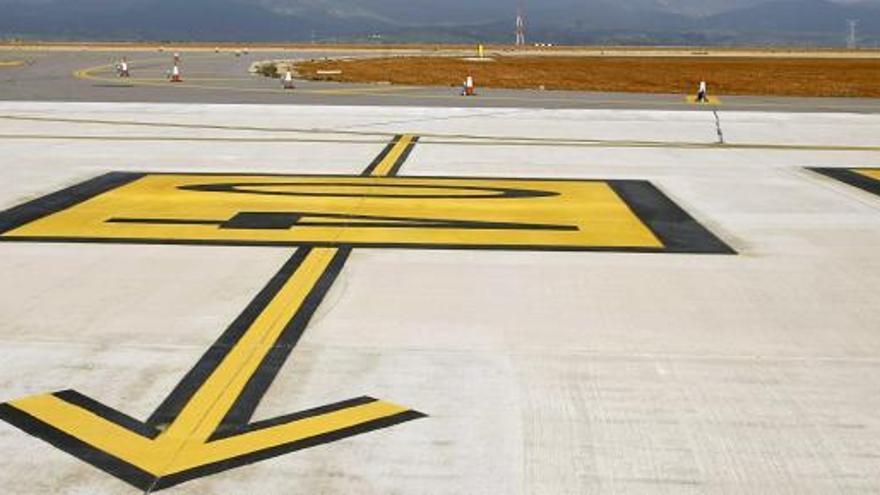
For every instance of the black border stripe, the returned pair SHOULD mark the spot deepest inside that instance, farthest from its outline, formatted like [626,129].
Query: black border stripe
[388,421]
[286,220]
[374,245]
[77,448]
[851,177]
[350,176]
[61,200]
[289,418]
[675,228]
[381,156]
[189,385]
[246,403]
[108,413]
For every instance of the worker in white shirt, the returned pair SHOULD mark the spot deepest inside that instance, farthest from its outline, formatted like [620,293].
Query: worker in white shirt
[123,68]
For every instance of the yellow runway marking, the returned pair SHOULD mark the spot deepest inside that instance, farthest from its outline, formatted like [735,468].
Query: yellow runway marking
[204,426]
[94,73]
[186,443]
[371,211]
[712,100]
[12,63]
[360,90]
[137,80]
[386,166]
[873,173]
[206,434]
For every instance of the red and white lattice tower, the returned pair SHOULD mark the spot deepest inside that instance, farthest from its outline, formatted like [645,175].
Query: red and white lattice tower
[520,25]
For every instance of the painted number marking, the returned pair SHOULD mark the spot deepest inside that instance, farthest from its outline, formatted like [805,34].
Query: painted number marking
[204,426]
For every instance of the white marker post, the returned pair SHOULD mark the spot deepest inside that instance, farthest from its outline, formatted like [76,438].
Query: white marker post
[469,87]
[287,82]
[702,93]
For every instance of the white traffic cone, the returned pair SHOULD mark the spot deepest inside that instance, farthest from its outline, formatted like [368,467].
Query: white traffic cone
[175,74]
[287,82]
[470,89]
[702,93]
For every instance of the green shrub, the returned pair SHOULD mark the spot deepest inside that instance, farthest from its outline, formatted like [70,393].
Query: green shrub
[269,70]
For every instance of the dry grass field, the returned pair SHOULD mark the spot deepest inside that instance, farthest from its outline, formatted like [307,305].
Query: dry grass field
[725,75]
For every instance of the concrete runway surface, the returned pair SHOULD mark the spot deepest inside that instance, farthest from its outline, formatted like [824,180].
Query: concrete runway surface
[419,298]
[223,78]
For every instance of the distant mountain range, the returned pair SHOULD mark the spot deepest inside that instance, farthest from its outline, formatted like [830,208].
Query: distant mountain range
[703,22]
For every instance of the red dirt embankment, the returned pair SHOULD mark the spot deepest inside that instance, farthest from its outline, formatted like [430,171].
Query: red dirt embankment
[725,75]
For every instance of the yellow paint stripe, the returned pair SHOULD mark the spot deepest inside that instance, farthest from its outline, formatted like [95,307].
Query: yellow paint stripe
[189,432]
[12,63]
[357,91]
[384,167]
[713,100]
[873,173]
[164,80]
[88,73]
[200,454]
[184,444]
[94,430]
[204,412]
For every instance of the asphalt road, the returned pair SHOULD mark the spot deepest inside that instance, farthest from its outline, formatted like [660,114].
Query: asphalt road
[223,78]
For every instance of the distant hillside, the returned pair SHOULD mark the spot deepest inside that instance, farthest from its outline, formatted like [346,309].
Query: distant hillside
[815,22]
[708,22]
[799,16]
[231,20]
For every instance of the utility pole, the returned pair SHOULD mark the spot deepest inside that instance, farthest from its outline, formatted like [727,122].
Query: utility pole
[851,41]
[520,25]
